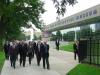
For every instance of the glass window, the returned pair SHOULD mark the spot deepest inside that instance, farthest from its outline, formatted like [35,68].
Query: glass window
[94,11]
[77,17]
[80,16]
[87,14]
[90,13]
[83,15]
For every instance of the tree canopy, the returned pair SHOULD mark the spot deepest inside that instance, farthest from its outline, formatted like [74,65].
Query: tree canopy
[60,5]
[15,14]
[58,35]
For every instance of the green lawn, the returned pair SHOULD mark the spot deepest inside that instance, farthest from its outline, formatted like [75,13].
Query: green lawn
[68,47]
[85,69]
[2,59]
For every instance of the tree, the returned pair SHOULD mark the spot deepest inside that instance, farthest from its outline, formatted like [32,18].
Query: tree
[86,33]
[18,13]
[65,36]
[60,5]
[69,36]
[35,37]
[53,37]
[59,35]
[15,14]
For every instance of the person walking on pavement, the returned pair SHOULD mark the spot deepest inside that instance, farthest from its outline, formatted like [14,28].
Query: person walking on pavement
[20,51]
[45,55]
[75,47]
[24,53]
[6,50]
[33,48]
[57,44]
[13,54]
[38,52]
[30,52]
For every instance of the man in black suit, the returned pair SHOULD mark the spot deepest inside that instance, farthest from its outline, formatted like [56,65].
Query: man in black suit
[13,54]
[24,53]
[39,48]
[45,55]
[33,48]
[57,44]
[6,50]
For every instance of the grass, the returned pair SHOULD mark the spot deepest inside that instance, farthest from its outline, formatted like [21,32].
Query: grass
[68,47]
[85,69]
[2,59]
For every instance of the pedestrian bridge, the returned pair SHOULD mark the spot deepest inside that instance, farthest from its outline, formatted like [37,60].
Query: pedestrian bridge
[88,16]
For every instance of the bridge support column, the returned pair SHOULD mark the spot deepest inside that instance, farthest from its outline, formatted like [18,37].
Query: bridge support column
[46,36]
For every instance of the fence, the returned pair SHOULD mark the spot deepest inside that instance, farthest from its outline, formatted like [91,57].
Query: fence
[89,51]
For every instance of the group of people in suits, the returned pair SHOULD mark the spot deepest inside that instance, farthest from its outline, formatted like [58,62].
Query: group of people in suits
[27,49]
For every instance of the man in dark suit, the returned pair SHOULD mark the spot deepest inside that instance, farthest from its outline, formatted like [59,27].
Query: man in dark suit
[6,50]
[45,55]
[33,48]
[13,54]
[24,53]
[39,48]
[57,44]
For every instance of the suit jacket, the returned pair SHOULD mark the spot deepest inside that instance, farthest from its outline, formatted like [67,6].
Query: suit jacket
[45,50]
[39,52]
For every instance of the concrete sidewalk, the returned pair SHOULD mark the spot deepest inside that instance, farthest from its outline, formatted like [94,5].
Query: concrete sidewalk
[60,63]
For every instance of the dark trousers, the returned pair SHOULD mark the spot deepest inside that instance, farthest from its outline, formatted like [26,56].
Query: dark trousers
[46,60]
[57,47]
[38,56]
[30,57]
[75,54]
[13,61]
[22,60]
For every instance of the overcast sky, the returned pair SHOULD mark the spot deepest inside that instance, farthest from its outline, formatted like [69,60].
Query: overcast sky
[50,15]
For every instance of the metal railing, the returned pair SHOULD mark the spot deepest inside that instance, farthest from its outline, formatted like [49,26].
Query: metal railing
[89,51]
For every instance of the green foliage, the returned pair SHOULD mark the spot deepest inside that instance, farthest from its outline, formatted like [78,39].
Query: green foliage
[84,69]
[69,36]
[85,33]
[59,35]
[28,37]
[35,37]
[39,38]
[60,5]
[53,37]
[16,14]
[22,36]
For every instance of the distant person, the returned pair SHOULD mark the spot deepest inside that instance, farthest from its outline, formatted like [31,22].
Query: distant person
[13,54]
[57,44]
[24,53]
[45,55]
[33,48]
[30,52]
[75,47]
[6,50]
[20,48]
[39,48]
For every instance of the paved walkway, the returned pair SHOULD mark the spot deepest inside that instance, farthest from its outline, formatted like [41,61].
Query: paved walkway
[60,63]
